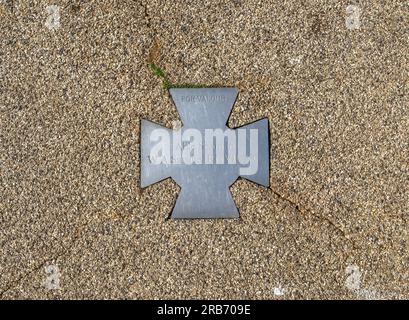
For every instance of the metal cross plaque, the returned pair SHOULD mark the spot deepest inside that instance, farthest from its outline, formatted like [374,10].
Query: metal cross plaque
[204,156]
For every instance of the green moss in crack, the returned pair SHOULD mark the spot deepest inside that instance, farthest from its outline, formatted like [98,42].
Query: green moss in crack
[167,84]
[161,74]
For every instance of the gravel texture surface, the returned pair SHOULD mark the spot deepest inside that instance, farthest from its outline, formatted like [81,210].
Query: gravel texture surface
[333,224]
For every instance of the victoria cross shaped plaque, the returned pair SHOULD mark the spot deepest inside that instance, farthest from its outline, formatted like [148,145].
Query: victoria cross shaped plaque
[205,157]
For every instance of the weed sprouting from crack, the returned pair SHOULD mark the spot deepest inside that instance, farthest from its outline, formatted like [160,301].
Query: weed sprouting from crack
[157,71]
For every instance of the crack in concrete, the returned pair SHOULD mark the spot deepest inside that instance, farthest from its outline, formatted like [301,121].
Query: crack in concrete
[16,282]
[306,211]
[146,14]
[63,252]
